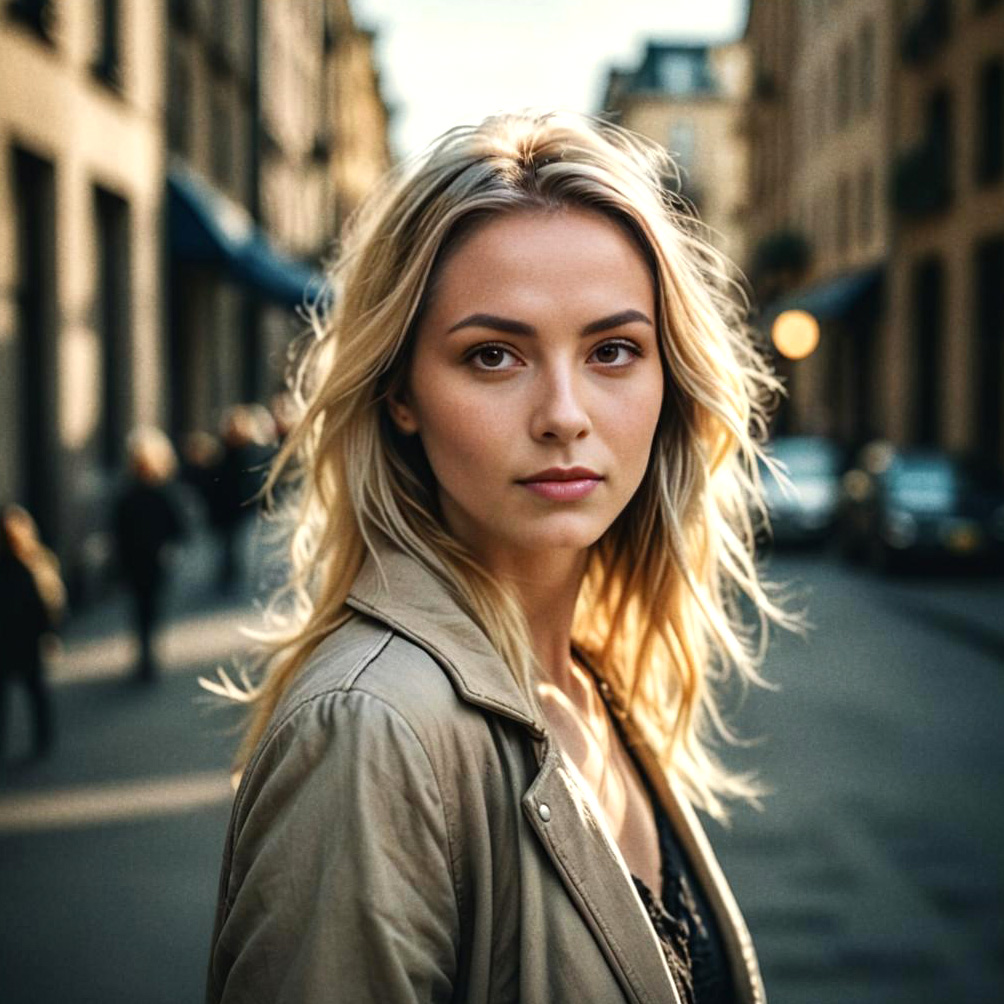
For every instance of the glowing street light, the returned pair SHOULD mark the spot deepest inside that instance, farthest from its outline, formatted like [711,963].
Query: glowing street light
[795,334]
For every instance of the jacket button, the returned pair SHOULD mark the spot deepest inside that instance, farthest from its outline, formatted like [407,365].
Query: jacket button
[544,811]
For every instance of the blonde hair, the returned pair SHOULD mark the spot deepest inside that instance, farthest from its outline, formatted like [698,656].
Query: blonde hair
[659,610]
[151,454]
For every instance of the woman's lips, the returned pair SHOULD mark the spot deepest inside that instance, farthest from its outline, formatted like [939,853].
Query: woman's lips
[562,491]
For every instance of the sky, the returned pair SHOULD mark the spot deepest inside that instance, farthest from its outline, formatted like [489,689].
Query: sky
[447,62]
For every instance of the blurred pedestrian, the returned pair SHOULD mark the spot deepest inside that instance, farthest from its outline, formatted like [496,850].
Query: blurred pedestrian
[201,455]
[32,602]
[249,437]
[147,522]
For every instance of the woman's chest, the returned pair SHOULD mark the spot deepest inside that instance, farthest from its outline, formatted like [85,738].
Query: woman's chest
[603,765]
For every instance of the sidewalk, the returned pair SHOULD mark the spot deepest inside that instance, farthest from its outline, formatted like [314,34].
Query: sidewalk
[200,625]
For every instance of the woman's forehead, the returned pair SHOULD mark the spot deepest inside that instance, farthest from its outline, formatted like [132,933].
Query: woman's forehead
[580,251]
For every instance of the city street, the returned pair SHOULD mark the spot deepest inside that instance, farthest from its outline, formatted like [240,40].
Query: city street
[875,872]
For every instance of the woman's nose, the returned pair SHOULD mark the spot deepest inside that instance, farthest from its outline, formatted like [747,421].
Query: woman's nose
[559,411]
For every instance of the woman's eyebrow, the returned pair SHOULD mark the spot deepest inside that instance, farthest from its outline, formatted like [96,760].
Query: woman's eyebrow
[512,327]
[615,321]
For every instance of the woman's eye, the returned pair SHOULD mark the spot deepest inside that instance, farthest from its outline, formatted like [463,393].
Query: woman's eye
[615,353]
[490,357]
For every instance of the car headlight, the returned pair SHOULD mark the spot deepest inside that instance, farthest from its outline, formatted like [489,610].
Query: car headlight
[900,529]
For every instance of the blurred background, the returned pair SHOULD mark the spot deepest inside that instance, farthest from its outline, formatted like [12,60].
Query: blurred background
[173,175]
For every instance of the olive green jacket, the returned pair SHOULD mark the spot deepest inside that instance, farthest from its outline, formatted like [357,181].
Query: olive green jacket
[407,830]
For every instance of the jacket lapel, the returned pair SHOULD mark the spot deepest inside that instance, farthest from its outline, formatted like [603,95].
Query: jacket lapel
[398,590]
[597,880]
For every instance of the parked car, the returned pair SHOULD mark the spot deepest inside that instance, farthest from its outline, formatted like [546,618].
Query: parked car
[898,505]
[805,513]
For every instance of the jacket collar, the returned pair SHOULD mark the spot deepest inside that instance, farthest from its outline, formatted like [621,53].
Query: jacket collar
[399,590]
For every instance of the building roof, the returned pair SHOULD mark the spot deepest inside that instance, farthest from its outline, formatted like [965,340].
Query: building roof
[673,69]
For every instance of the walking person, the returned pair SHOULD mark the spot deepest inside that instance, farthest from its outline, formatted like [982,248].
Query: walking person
[147,522]
[32,603]
[248,444]
[527,474]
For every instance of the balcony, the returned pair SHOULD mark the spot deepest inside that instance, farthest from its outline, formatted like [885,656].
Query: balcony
[926,32]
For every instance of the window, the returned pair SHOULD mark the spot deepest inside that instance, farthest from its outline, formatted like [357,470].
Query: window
[223,147]
[939,133]
[843,85]
[866,67]
[179,100]
[678,74]
[107,66]
[683,144]
[928,295]
[990,128]
[822,99]
[866,205]
[113,303]
[989,356]
[820,227]
[844,214]
[38,15]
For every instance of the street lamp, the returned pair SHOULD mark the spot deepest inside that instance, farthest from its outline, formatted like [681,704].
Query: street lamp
[795,334]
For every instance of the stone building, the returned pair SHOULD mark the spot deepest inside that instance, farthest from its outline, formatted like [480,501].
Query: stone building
[213,177]
[690,98]
[82,149]
[877,171]
[819,127]
[361,118]
[944,352]
[169,183]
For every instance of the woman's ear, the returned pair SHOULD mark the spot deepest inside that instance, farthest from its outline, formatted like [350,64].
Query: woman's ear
[401,413]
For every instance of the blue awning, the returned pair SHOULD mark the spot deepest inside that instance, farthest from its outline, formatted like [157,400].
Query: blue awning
[832,299]
[208,228]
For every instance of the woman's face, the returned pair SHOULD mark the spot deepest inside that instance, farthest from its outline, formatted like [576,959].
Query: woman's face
[538,350]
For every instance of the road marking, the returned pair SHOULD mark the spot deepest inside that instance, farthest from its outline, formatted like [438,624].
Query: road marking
[101,804]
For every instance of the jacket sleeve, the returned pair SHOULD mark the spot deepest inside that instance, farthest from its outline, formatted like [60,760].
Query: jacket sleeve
[337,884]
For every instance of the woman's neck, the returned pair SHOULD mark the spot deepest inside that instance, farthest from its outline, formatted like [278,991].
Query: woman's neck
[548,589]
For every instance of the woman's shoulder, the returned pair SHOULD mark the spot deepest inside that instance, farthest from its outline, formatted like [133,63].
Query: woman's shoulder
[366,656]
[368,673]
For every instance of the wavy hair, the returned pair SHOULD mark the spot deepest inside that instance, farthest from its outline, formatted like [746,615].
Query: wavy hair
[672,602]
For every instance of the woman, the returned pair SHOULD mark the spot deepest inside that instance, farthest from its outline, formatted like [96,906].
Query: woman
[32,603]
[523,529]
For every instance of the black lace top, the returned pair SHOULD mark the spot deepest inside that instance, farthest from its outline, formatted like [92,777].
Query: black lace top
[682,916]
[685,925]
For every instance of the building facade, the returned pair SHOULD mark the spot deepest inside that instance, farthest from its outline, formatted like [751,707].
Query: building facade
[877,169]
[168,174]
[944,354]
[211,113]
[690,99]
[819,120]
[360,123]
[82,150]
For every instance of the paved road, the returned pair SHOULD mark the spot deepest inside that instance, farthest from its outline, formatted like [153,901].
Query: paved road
[875,872]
